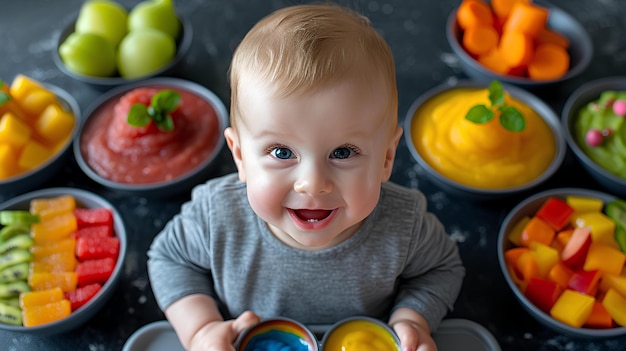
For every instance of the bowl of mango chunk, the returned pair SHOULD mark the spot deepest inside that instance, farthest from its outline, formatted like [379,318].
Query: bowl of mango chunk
[38,122]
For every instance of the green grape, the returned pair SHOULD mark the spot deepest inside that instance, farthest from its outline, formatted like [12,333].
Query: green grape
[142,52]
[88,54]
[106,18]
[156,14]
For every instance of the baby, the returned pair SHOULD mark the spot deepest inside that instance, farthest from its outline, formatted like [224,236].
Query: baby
[309,227]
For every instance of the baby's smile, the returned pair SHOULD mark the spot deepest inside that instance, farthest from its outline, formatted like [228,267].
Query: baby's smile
[311,219]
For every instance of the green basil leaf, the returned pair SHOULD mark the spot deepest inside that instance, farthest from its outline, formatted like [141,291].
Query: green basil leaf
[138,115]
[166,124]
[496,93]
[165,100]
[4,97]
[511,119]
[479,114]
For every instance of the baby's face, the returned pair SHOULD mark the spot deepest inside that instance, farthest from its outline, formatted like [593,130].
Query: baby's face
[314,163]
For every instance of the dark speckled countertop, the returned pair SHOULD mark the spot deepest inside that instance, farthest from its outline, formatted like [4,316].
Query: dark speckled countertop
[415,32]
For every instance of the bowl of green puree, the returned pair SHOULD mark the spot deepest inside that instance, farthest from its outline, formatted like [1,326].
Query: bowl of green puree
[594,119]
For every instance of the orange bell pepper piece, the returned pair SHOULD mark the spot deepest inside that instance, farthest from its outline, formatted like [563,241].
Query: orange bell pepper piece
[599,317]
[605,259]
[537,230]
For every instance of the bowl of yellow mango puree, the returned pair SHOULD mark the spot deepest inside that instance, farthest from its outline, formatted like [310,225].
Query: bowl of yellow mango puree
[360,334]
[484,141]
[38,122]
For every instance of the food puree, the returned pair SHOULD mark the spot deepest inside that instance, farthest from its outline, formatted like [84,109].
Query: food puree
[123,153]
[599,114]
[485,156]
[277,340]
[360,335]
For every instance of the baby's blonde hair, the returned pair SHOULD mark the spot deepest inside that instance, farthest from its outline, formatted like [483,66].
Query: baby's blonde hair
[305,48]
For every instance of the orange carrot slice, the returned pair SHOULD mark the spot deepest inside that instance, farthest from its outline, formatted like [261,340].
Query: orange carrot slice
[493,61]
[530,19]
[479,40]
[502,8]
[548,36]
[550,61]
[474,13]
[516,48]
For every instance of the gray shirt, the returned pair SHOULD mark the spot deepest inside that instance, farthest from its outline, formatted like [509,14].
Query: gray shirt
[401,256]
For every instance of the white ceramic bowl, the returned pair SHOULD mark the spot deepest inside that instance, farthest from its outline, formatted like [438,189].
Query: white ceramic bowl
[84,199]
[162,187]
[582,96]
[528,207]
[482,194]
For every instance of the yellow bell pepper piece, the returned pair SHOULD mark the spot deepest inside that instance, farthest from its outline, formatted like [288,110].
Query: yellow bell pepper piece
[572,308]
[602,227]
[13,130]
[515,236]
[616,305]
[582,204]
[604,258]
[545,256]
[616,282]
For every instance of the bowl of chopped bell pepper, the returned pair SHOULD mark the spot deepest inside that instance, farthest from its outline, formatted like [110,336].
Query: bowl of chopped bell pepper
[61,256]
[563,254]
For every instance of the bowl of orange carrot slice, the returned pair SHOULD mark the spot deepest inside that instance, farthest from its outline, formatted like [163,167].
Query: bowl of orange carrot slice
[61,256]
[563,254]
[527,43]
[38,122]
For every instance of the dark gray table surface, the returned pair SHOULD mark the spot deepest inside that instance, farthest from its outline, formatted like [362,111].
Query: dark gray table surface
[415,32]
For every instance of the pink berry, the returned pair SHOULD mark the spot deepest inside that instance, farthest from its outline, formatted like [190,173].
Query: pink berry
[619,107]
[594,137]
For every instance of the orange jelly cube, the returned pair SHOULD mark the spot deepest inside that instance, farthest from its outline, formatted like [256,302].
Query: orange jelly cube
[50,207]
[47,313]
[67,281]
[42,297]
[55,228]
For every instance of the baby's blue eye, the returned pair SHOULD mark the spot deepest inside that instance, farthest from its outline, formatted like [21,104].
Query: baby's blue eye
[282,153]
[342,152]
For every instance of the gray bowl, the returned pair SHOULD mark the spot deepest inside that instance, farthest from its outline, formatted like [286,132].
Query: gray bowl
[479,194]
[79,317]
[104,83]
[579,98]
[163,188]
[529,207]
[36,177]
[580,50]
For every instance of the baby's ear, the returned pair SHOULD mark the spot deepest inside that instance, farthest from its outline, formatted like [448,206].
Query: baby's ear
[232,139]
[390,154]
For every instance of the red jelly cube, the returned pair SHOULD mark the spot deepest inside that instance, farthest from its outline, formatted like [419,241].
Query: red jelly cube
[82,295]
[95,247]
[93,216]
[94,271]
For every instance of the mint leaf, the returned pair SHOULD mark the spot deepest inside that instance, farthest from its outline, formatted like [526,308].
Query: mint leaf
[161,104]
[4,97]
[496,93]
[511,119]
[479,114]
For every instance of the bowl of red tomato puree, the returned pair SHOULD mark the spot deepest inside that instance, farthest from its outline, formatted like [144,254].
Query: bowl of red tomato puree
[484,160]
[151,160]
[562,252]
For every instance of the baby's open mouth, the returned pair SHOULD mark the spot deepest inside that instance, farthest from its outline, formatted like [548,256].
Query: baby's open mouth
[312,215]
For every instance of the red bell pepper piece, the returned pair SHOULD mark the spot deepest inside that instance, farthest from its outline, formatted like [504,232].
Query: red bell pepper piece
[542,293]
[94,271]
[555,212]
[95,247]
[93,216]
[585,282]
[82,295]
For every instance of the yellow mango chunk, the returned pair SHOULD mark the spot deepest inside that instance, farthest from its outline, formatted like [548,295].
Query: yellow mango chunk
[604,258]
[22,85]
[13,130]
[582,204]
[615,304]
[572,308]
[36,100]
[56,228]
[54,124]
[617,282]
[47,313]
[8,161]
[602,227]
[33,155]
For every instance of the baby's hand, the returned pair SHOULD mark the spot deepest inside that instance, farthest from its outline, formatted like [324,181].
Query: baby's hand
[413,336]
[221,335]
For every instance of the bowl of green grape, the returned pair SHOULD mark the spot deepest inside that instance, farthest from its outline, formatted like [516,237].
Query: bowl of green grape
[107,45]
